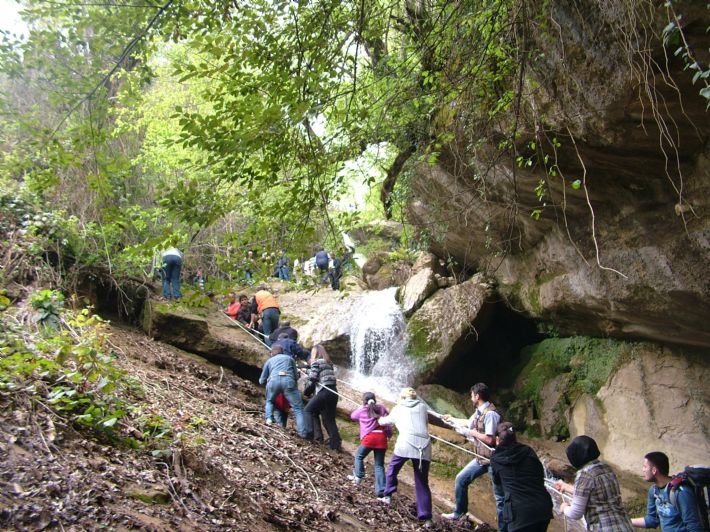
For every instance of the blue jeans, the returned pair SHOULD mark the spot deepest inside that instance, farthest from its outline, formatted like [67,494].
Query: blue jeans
[280,417]
[286,385]
[466,476]
[172,264]
[282,273]
[269,322]
[359,470]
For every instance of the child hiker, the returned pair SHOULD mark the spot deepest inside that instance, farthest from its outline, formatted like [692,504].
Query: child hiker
[373,437]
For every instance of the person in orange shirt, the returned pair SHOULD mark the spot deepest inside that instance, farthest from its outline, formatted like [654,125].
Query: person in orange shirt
[264,305]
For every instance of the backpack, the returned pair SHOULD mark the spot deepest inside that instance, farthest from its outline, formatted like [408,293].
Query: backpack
[697,478]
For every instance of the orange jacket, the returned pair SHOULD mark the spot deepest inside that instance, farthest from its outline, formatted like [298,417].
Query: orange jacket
[232,310]
[265,300]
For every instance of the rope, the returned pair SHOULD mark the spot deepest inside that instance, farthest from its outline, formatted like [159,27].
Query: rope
[432,412]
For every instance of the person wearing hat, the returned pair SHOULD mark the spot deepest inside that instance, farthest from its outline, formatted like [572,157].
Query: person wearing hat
[516,468]
[410,416]
[595,494]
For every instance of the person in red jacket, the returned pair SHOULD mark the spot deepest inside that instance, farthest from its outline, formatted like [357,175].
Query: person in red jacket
[373,438]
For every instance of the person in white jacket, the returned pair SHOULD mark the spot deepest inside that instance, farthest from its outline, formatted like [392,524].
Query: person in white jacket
[413,443]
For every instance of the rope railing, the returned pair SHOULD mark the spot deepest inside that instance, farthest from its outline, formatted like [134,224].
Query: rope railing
[357,403]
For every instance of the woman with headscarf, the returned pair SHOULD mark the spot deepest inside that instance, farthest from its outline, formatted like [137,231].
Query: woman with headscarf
[410,416]
[321,380]
[595,494]
[527,506]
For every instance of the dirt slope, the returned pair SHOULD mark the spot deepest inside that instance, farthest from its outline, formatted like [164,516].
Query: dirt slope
[224,469]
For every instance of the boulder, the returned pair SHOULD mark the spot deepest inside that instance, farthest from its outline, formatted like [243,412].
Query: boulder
[444,321]
[656,401]
[379,272]
[445,401]
[324,318]
[213,336]
[417,288]
[388,231]
[428,260]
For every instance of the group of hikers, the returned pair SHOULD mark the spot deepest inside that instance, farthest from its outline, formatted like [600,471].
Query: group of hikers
[325,267]
[523,501]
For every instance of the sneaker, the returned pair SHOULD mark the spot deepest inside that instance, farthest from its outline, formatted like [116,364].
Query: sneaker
[453,516]
[269,421]
[385,500]
[355,480]
[428,523]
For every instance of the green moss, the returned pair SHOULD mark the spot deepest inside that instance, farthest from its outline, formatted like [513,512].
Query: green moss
[424,341]
[587,361]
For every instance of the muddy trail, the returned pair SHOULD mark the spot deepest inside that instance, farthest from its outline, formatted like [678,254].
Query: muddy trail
[224,468]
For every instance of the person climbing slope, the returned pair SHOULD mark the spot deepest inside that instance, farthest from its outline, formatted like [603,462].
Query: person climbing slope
[321,380]
[410,416]
[281,376]
[373,438]
[264,306]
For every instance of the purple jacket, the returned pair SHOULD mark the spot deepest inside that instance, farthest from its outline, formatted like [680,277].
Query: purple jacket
[367,423]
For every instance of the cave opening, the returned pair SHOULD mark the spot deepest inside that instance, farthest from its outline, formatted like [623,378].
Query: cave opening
[490,352]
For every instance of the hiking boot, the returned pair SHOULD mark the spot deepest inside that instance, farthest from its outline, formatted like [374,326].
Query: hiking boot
[355,480]
[453,516]
[385,500]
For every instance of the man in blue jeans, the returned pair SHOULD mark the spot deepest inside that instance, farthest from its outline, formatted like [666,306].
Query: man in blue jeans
[481,429]
[281,376]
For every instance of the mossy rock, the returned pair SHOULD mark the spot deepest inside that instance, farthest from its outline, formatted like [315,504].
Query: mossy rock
[564,369]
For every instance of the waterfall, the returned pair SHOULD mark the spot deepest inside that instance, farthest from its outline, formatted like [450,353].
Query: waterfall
[378,342]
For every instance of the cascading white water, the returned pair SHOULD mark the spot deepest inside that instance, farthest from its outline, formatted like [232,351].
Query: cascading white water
[378,343]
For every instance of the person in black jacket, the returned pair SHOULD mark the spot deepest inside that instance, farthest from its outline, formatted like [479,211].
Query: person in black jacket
[527,506]
[321,380]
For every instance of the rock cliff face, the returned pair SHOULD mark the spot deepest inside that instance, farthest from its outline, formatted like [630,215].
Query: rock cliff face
[626,254]
[657,401]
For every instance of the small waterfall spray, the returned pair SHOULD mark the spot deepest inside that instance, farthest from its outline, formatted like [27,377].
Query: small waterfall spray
[378,342]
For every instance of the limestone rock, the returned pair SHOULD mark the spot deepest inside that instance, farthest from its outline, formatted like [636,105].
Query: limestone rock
[327,321]
[655,401]
[428,260]
[214,336]
[445,401]
[417,288]
[388,231]
[380,273]
[650,223]
[443,320]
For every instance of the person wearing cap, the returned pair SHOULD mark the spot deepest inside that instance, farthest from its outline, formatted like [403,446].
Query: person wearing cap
[264,305]
[519,472]
[595,495]
[410,416]
[281,376]
[481,429]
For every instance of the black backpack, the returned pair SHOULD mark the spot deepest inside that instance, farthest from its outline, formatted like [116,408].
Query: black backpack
[696,478]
